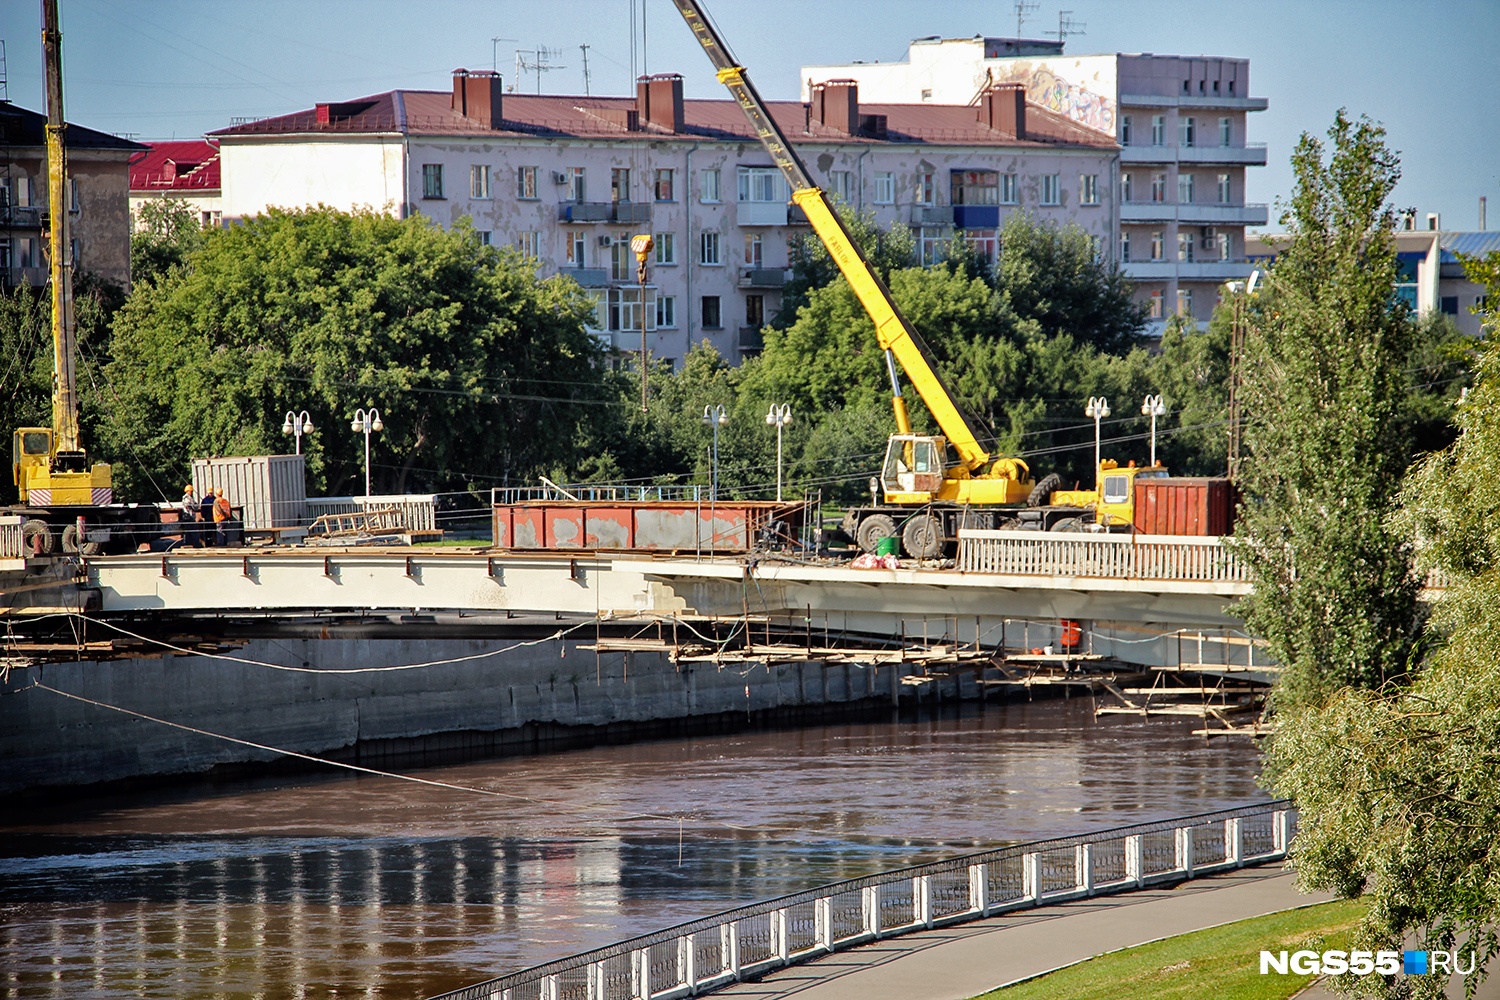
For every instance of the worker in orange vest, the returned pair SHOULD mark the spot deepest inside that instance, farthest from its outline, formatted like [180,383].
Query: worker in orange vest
[222,515]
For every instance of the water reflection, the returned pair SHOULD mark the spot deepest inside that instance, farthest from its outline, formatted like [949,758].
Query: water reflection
[382,888]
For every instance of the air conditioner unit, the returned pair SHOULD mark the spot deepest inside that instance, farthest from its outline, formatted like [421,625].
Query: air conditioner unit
[606,241]
[558,177]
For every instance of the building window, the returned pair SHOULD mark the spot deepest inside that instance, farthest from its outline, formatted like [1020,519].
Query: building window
[755,311]
[841,185]
[73,203]
[932,244]
[926,188]
[625,309]
[1158,130]
[576,187]
[1125,248]
[1010,189]
[621,260]
[754,250]
[666,312]
[1125,187]
[1187,131]
[709,184]
[479,181]
[666,185]
[885,188]
[1184,189]
[1088,189]
[708,248]
[530,243]
[1223,242]
[761,184]
[1448,305]
[1185,247]
[666,248]
[1158,187]
[975,187]
[1051,189]
[619,184]
[1184,302]
[1226,131]
[1157,246]
[1125,124]
[577,250]
[1224,189]
[984,242]
[484,236]
[1155,312]
[711,318]
[526,183]
[432,180]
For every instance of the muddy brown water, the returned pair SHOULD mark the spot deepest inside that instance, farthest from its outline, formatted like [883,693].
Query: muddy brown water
[374,887]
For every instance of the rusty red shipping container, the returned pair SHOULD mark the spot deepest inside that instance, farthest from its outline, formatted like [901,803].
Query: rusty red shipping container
[1184,506]
[652,526]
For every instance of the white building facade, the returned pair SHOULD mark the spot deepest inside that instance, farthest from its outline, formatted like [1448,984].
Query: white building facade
[1181,123]
[569,181]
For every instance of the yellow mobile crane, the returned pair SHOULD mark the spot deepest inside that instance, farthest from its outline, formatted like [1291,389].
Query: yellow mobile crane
[67,500]
[926,499]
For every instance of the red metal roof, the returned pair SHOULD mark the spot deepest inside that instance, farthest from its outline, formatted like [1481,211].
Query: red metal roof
[190,165]
[430,113]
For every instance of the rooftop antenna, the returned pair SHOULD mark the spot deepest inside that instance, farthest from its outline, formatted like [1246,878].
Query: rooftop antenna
[495,50]
[5,84]
[585,49]
[1067,26]
[1024,9]
[539,63]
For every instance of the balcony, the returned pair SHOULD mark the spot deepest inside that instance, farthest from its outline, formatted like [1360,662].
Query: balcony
[761,213]
[588,277]
[1188,270]
[763,277]
[796,217]
[21,216]
[583,212]
[976,216]
[752,340]
[1194,213]
[931,215]
[1220,102]
[1252,154]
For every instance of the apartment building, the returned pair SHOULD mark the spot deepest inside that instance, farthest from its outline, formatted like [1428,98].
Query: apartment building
[97,185]
[1182,126]
[569,180]
[181,170]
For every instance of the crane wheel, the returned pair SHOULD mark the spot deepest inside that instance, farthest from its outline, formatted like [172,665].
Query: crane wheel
[1042,491]
[872,529]
[1068,524]
[73,544]
[37,537]
[922,534]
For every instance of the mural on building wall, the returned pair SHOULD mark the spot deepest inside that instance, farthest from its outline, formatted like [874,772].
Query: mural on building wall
[1045,87]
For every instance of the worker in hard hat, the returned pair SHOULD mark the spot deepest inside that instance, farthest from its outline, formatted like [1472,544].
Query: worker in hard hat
[191,535]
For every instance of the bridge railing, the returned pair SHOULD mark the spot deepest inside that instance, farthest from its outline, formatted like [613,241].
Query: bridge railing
[748,941]
[611,493]
[11,545]
[1144,557]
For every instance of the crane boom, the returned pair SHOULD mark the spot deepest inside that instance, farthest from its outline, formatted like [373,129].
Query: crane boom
[895,333]
[60,257]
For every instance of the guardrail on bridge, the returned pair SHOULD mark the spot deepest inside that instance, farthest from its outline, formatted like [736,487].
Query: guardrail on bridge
[738,944]
[11,546]
[1140,557]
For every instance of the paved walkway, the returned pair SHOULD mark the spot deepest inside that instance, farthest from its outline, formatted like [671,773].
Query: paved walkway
[963,961]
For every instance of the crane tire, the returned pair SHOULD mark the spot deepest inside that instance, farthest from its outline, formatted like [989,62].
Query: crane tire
[1042,491]
[37,537]
[922,534]
[73,544]
[872,529]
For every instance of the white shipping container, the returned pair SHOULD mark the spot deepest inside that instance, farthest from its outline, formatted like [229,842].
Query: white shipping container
[271,489]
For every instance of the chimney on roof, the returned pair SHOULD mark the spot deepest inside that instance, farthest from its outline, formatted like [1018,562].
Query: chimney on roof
[1003,108]
[477,96]
[835,104]
[658,99]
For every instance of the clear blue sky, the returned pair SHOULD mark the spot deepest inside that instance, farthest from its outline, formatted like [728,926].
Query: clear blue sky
[177,68]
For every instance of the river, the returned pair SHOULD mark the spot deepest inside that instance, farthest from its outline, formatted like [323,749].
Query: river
[346,885]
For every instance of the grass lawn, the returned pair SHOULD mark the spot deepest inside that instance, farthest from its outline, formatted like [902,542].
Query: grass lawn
[1221,962]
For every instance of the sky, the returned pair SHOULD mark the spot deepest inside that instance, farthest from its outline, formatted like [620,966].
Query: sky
[161,69]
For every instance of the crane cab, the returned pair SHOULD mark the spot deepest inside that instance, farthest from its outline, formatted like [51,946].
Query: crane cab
[913,470]
[47,477]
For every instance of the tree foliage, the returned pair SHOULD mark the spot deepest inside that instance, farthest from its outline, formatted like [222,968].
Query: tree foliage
[166,233]
[481,372]
[1326,392]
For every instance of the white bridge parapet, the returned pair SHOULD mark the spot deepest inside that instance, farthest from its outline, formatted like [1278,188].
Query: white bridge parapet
[1119,557]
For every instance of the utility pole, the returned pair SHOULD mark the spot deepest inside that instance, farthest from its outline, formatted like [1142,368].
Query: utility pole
[585,49]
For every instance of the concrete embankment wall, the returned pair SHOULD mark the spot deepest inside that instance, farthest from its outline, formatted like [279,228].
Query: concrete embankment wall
[511,700]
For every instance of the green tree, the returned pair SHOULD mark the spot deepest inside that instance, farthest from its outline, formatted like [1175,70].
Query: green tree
[166,233]
[887,249]
[1325,395]
[483,373]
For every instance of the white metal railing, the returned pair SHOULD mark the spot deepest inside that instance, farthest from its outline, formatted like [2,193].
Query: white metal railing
[1141,557]
[11,546]
[595,492]
[738,944]
[418,510]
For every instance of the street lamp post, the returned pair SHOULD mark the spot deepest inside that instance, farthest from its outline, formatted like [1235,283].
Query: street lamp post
[1098,408]
[779,416]
[714,416]
[1153,408]
[297,424]
[364,422]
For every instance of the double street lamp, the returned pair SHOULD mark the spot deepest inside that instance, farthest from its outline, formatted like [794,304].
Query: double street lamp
[1153,408]
[364,422]
[1098,408]
[779,416]
[715,415]
[297,424]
